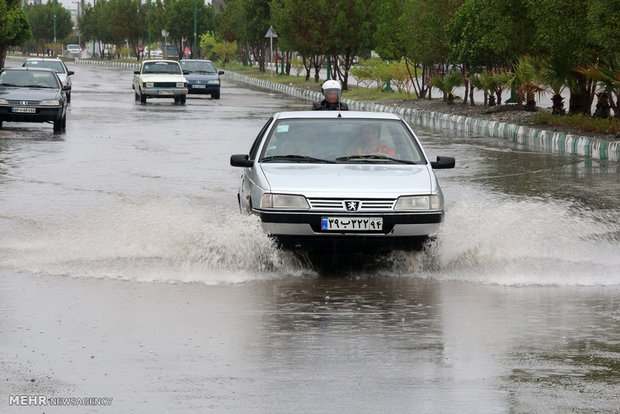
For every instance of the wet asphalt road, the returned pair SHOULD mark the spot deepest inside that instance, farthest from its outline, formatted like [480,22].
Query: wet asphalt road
[127,272]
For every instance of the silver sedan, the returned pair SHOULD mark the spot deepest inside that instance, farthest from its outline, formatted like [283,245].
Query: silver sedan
[352,179]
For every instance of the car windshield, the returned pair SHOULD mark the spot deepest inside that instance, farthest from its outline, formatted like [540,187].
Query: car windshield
[56,65]
[162,67]
[28,79]
[197,66]
[341,141]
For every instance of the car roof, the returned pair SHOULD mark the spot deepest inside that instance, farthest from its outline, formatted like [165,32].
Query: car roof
[335,114]
[196,60]
[30,68]
[46,59]
[159,60]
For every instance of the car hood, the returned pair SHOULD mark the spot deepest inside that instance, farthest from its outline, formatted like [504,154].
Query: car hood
[348,180]
[28,94]
[162,77]
[202,76]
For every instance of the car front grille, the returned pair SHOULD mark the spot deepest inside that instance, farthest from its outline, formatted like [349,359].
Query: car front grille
[339,204]
[16,102]
[165,84]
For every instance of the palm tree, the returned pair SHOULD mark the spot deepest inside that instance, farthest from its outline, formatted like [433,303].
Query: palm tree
[555,77]
[607,74]
[447,85]
[525,79]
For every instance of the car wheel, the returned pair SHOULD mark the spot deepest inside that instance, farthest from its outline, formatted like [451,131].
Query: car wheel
[177,100]
[0,124]
[63,122]
[68,97]
[215,95]
[136,96]
[142,98]
[58,125]
[183,99]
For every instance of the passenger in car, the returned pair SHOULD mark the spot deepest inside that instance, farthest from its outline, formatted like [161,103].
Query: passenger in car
[369,143]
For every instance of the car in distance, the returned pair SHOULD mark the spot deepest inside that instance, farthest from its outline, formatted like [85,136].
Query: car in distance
[160,79]
[73,50]
[202,77]
[324,179]
[58,66]
[32,95]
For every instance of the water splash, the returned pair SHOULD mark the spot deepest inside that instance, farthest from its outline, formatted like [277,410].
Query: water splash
[162,242]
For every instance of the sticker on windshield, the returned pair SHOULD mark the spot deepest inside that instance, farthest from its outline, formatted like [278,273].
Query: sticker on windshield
[282,128]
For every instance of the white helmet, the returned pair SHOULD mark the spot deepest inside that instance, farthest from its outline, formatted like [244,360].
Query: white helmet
[331,85]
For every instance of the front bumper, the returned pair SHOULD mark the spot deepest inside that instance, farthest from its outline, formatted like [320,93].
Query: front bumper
[42,114]
[305,228]
[202,88]
[164,92]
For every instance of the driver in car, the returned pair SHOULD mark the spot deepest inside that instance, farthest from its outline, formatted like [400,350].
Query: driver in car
[369,143]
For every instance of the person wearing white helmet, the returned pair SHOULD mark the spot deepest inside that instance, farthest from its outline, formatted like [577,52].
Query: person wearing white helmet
[332,92]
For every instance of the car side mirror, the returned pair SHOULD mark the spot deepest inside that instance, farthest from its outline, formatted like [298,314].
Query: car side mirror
[221,72]
[66,87]
[241,160]
[70,73]
[136,72]
[443,162]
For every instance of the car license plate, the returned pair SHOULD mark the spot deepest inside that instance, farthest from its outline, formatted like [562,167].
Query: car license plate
[165,92]
[24,110]
[352,223]
[199,86]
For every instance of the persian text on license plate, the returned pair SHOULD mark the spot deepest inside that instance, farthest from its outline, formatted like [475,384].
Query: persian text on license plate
[165,92]
[24,110]
[199,86]
[352,223]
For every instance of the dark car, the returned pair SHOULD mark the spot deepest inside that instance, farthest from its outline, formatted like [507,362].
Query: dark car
[64,74]
[202,77]
[32,95]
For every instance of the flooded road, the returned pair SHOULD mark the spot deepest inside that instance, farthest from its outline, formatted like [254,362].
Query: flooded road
[127,272]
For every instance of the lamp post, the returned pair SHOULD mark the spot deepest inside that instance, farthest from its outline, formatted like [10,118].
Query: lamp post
[194,55]
[148,26]
[54,11]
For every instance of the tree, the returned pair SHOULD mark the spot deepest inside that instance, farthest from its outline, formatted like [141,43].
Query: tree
[14,27]
[41,17]
[562,38]
[124,22]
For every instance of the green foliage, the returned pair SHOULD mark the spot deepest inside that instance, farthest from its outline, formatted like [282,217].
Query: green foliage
[14,27]
[580,121]
[447,84]
[604,21]
[215,49]
[41,17]
[377,71]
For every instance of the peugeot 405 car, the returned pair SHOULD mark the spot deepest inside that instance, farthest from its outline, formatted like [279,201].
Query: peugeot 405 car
[334,179]
[32,95]
[202,77]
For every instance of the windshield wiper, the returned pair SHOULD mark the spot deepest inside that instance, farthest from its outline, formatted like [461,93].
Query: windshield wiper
[11,85]
[39,86]
[295,158]
[373,157]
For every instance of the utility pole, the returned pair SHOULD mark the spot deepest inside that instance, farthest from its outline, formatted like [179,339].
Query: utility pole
[194,51]
[54,11]
[148,26]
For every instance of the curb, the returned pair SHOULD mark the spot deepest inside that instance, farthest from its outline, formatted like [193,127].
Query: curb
[107,63]
[539,139]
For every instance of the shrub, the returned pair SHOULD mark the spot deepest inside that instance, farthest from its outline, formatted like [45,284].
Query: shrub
[582,122]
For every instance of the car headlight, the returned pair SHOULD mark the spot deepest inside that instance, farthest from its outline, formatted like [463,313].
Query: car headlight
[285,201]
[418,203]
[149,84]
[51,102]
[180,85]
[4,102]
[214,82]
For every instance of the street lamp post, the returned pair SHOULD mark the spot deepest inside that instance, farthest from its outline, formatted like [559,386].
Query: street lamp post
[54,11]
[148,26]
[194,55]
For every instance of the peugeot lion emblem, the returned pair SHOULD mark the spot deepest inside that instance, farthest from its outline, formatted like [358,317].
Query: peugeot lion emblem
[23,102]
[350,205]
